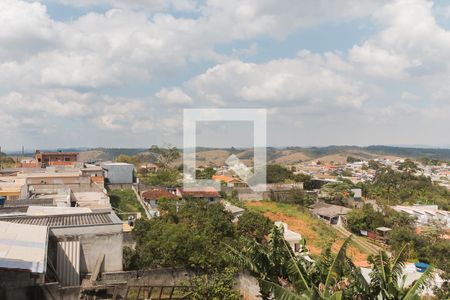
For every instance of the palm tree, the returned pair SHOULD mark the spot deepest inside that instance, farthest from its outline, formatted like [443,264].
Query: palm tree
[287,276]
[268,263]
[387,279]
[283,275]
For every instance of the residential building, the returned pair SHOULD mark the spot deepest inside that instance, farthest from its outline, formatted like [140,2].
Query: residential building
[152,196]
[56,158]
[236,211]
[425,213]
[333,214]
[76,242]
[292,237]
[204,193]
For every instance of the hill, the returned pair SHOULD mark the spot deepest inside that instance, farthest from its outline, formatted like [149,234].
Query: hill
[283,156]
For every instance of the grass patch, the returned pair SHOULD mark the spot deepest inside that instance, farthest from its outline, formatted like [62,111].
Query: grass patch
[124,201]
[313,229]
[316,232]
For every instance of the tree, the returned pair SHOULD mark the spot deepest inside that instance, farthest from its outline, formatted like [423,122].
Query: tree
[216,286]
[306,179]
[207,173]
[278,174]
[374,165]
[253,225]
[283,275]
[187,235]
[351,159]
[163,177]
[387,272]
[301,197]
[6,161]
[123,158]
[408,166]
[365,218]
[130,259]
[387,180]
[336,192]
[286,276]
[165,156]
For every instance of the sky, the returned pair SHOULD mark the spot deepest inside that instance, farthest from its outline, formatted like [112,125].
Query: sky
[117,73]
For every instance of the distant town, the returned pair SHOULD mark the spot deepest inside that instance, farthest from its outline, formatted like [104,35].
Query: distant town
[76,226]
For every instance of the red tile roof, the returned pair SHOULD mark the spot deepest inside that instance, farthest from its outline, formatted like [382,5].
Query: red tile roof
[200,193]
[156,194]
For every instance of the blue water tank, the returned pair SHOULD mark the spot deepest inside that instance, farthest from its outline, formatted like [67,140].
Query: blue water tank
[2,200]
[421,266]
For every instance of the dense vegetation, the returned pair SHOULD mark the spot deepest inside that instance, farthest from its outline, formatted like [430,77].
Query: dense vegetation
[280,174]
[403,187]
[427,246]
[287,276]
[201,236]
[6,161]
[190,236]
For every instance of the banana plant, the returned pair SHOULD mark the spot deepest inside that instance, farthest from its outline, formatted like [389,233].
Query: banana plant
[388,280]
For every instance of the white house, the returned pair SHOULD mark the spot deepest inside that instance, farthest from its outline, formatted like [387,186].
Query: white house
[292,237]
[425,213]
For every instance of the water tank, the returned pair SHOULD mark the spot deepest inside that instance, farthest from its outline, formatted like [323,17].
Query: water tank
[2,200]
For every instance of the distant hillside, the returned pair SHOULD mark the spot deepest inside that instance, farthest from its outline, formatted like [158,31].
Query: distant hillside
[283,156]
[432,153]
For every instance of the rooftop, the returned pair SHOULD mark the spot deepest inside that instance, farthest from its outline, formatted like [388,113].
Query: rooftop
[158,193]
[329,210]
[73,220]
[116,164]
[23,247]
[200,192]
[56,153]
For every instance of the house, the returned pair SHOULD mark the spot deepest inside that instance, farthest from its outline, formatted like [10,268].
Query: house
[357,194]
[292,237]
[76,242]
[148,168]
[12,189]
[280,191]
[229,181]
[56,158]
[152,196]
[23,259]
[204,193]
[236,211]
[425,213]
[94,172]
[383,233]
[333,214]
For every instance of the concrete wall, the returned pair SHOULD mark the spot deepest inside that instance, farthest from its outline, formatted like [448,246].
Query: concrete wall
[19,286]
[119,186]
[119,173]
[96,240]
[163,276]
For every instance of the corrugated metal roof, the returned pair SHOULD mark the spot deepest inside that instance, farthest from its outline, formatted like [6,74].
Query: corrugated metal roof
[65,220]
